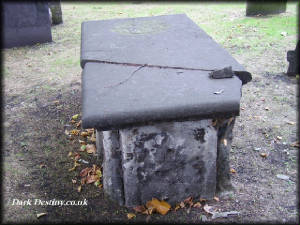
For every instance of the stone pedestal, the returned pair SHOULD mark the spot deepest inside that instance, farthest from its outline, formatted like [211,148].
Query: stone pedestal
[169,160]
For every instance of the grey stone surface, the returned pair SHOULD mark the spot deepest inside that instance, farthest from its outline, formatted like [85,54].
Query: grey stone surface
[25,23]
[265,7]
[112,166]
[113,98]
[169,160]
[224,128]
[293,59]
[170,40]
[56,13]
[139,70]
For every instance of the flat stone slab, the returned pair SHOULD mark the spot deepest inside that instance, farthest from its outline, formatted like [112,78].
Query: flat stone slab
[171,40]
[141,70]
[153,94]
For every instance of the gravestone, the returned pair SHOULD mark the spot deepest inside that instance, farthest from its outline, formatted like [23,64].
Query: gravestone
[264,7]
[293,59]
[163,97]
[56,13]
[25,23]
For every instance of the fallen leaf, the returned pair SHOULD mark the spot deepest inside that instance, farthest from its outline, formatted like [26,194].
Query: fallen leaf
[72,121]
[91,148]
[130,215]
[83,181]
[208,209]
[295,144]
[78,124]
[202,199]
[83,161]
[97,183]
[85,172]
[219,92]
[283,34]
[90,131]
[56,102]
[214,122]
[223,214]
[139,209]
[216,198]
[189,201]
[99,173]
[225,142]
[177,207]
[92,138]
[232,170]
[257,149]
[79,188]
[160,206]
[82,148]
[82,142]
[70,154]
[84,134]
[290,122]
[75,117]
[264,155]
[150,210]
[74,132]
[197,205]
[91,179]
[40,215]
[182,205]
[282,176]
[77,156]
[73,168]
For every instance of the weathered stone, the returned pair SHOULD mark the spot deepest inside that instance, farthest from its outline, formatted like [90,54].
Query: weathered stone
[293,59]
[25,23]
[263,7]
[170,160]
[224,127]
[154,109]
[56,13]
[112,166]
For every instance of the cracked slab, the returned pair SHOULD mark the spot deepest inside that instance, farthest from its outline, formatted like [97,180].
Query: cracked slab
[170,40]
[112,101]
[150,69]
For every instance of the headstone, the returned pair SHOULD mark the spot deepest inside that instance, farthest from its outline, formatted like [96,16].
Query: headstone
[265,7]
[163,97]
[56,13]
[293,59]
[25,23]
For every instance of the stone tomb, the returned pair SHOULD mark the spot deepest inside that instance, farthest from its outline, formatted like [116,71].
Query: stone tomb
[163,97]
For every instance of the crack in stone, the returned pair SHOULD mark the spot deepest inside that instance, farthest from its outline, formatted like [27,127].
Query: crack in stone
[244,76]
[149,65]
[127,79]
